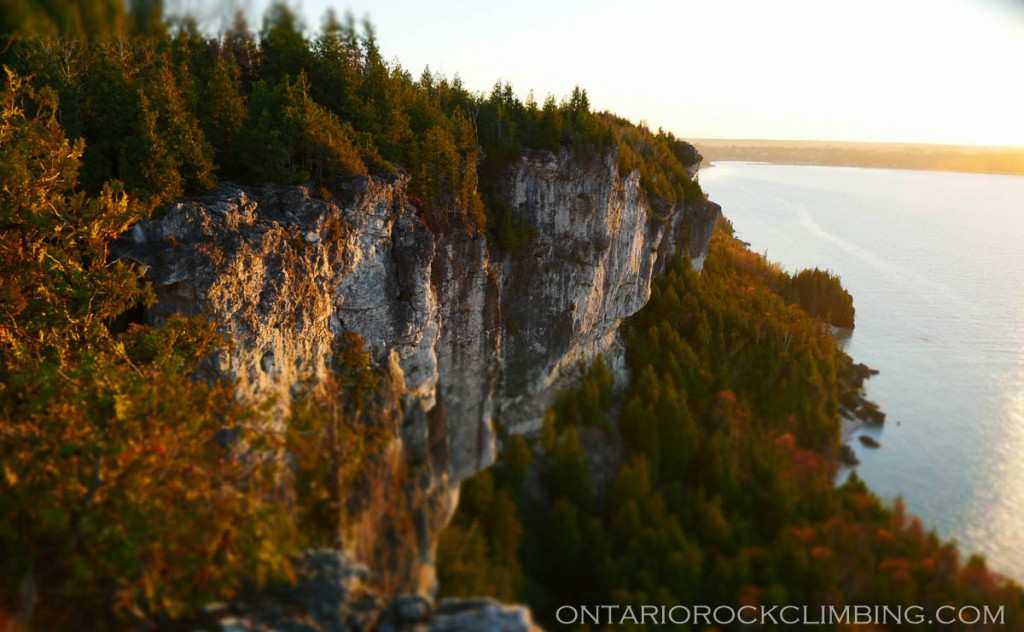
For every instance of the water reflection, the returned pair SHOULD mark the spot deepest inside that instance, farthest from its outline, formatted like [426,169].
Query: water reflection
[933,261]
[1003,503]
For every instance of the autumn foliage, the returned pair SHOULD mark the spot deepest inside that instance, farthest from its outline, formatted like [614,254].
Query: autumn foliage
[115,493]
[709,477]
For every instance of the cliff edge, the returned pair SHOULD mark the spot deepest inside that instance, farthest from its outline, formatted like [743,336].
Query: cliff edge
[471,336]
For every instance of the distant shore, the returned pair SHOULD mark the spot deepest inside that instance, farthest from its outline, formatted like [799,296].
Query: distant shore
[954,158]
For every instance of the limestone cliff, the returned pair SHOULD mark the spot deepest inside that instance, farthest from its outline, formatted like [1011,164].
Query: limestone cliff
[599,242]
[472,336]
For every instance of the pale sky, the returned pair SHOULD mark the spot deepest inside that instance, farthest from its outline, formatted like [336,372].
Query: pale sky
[935,71]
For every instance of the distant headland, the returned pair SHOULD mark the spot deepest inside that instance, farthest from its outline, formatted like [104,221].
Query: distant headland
[965,158]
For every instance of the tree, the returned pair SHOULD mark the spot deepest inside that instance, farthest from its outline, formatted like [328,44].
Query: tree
[72,19]
[337,65]
[113,492]
[289,137]
[147,17]
[283,47]
[221,109]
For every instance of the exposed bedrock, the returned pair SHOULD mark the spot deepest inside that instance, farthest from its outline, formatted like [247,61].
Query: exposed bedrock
[470,336]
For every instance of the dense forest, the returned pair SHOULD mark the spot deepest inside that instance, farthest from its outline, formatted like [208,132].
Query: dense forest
[708,478]
[167,110]
[120,502]
[119,499]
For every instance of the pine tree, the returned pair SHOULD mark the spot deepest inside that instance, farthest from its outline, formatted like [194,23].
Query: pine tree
[283,47]
[112,490]
[221,109]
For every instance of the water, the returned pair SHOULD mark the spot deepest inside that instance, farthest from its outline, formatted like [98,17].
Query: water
[935,263]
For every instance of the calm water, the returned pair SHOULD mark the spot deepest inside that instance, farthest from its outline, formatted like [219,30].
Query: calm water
[935,263]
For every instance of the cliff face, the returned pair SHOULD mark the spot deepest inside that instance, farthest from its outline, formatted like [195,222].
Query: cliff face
[471,334]
[598,244]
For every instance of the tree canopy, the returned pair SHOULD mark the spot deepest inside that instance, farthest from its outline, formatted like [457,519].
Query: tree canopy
[723,492]
[167,110]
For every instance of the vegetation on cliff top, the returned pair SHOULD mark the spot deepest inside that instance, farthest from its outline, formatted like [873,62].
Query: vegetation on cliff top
[168,111]
[125,489]
[120,494]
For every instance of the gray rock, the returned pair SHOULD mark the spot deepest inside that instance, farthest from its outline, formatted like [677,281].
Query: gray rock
[234,624]
[471,335]
[481,615]
[599,243]
[870,442]
[847,456]
[329,595]
[412,608]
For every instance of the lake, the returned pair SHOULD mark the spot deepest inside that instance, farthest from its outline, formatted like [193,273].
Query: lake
[935,263]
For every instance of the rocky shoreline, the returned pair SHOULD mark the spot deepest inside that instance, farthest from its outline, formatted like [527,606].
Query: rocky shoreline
[856,411]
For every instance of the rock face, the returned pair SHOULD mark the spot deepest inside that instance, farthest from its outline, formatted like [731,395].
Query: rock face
[471,335]
[598,244]
[330,594]
[286,275]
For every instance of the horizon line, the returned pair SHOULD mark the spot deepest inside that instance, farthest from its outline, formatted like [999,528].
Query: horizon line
[1019,148]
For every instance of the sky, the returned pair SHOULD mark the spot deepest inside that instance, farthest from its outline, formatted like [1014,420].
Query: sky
[920,71]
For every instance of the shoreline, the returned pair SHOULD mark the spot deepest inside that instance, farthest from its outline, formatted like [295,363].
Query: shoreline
[856,412]
[848,427]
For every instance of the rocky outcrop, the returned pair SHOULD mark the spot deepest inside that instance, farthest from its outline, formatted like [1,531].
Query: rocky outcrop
[469,349]
[480,615]
[331,593]
[470,336]
[598,244]
[285,275]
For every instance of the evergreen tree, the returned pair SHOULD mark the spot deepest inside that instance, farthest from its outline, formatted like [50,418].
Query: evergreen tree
[284,51]
[112,490]
[221,109]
